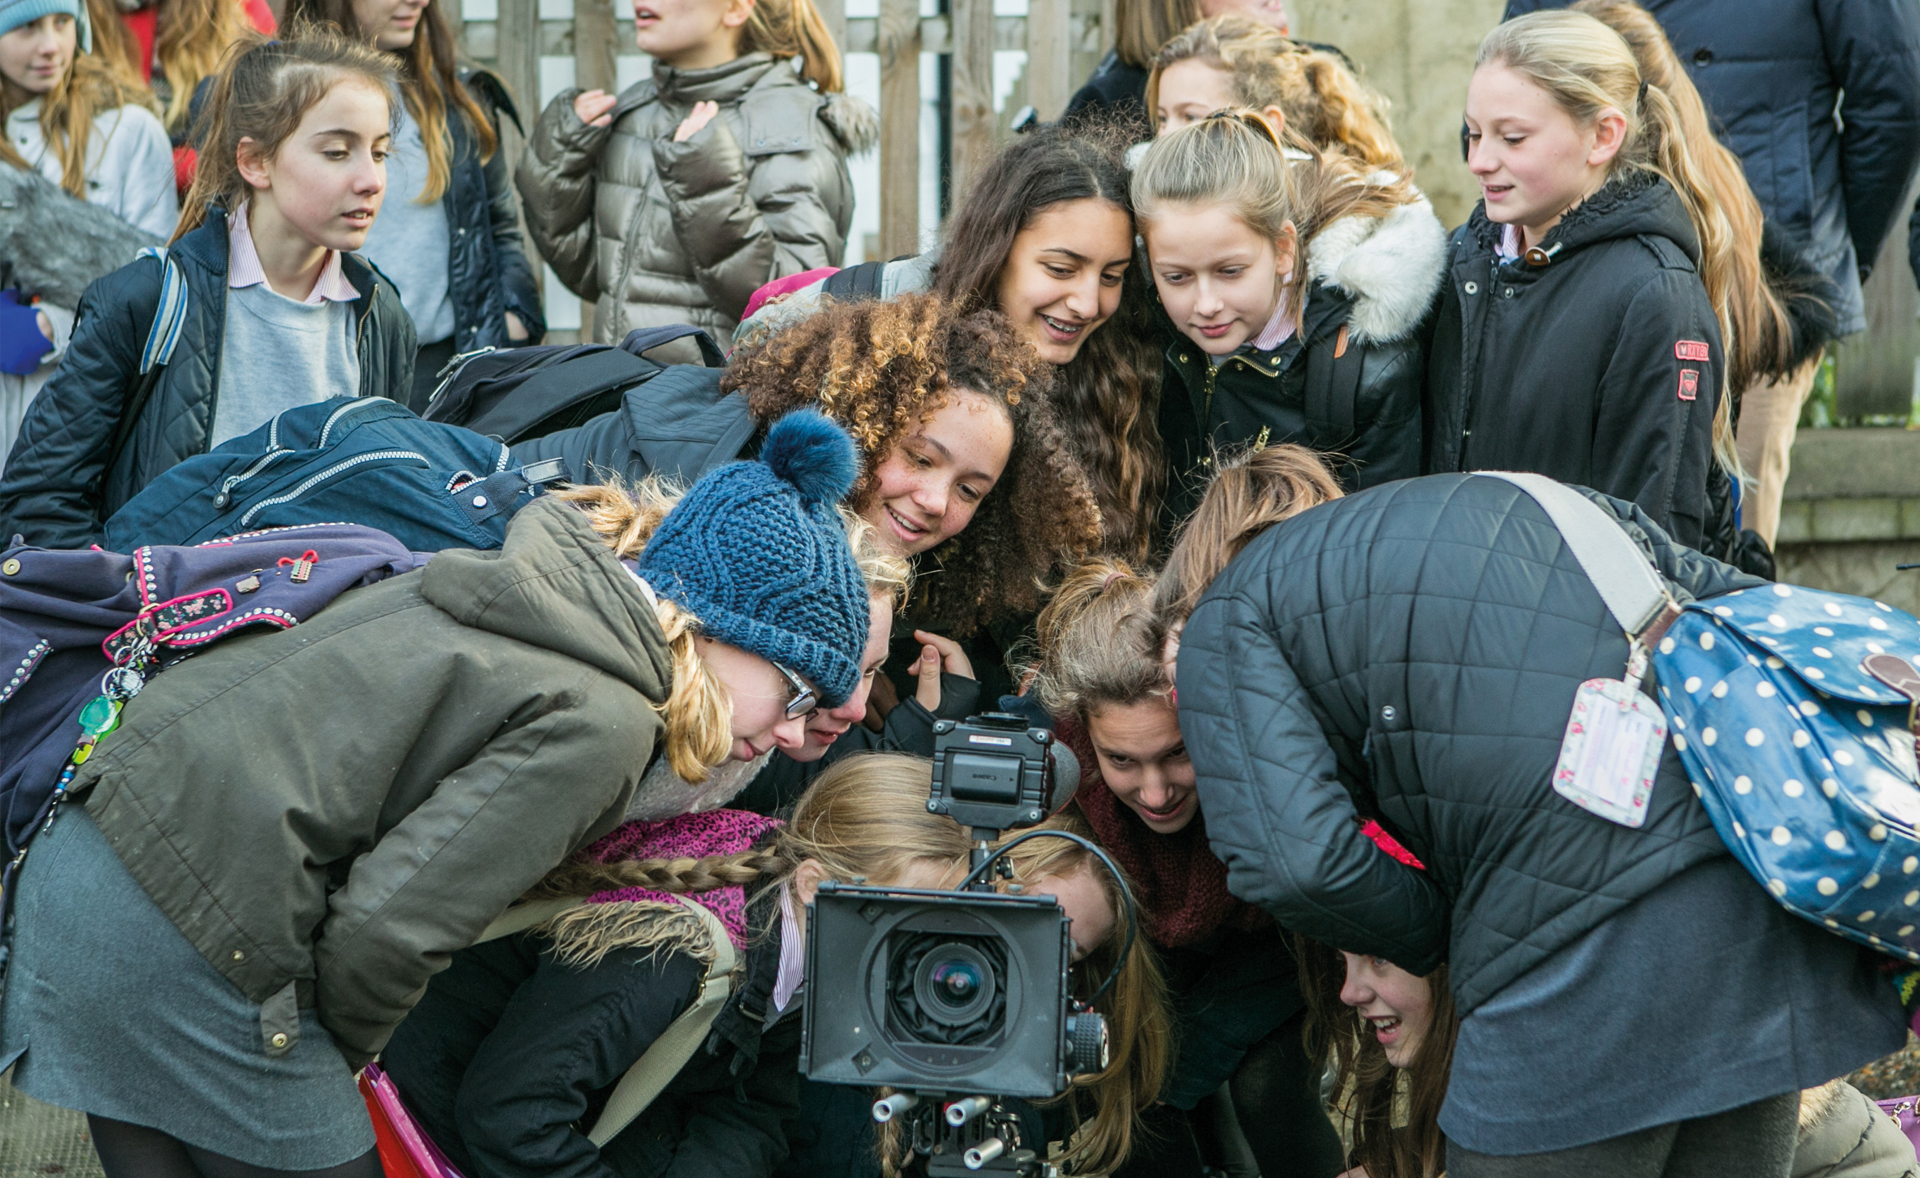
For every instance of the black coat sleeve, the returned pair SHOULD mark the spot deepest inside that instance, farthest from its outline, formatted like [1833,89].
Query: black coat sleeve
[519,284]
[1226,1006]
[1873,51]
[51,491]
[1389,447]
[1277,814]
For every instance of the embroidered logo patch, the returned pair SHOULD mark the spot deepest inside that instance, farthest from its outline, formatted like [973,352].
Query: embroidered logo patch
[1689,384]
[1691,349]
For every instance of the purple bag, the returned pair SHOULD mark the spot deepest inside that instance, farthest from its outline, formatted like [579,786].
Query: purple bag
[1906,1111]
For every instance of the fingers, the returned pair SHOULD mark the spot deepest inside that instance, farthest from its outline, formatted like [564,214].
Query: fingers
[703,113]
[926,669]
[953,659]
[593,106]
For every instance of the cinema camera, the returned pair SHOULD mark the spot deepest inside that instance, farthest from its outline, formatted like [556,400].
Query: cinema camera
[960,999]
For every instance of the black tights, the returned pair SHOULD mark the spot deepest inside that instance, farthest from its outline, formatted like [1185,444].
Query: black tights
[135,1151]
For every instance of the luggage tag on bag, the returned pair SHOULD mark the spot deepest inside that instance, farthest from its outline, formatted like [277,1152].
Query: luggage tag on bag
[1611,751]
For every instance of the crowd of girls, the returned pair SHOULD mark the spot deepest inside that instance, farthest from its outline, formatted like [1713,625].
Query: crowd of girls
[1172,441]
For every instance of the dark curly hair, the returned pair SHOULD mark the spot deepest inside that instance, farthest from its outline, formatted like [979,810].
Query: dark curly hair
[883,368]
[1108,396]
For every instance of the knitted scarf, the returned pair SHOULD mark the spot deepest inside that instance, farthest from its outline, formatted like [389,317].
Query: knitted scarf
[686,836]
[1180,886]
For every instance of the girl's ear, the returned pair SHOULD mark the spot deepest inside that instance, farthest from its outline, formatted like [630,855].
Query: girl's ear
[738,13]
[1609,135]
[807,879]
[1277,119]
[253,164]
[1283,250]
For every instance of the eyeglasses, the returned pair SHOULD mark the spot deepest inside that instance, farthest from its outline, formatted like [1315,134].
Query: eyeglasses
[805,698]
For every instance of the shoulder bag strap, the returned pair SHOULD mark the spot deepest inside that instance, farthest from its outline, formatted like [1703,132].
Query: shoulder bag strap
[169,316]
[1635,594]
[676,1045]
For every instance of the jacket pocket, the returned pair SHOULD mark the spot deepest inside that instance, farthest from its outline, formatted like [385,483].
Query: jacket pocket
[1792,170]
[280,1021]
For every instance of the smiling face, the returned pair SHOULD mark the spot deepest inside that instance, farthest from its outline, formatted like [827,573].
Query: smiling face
[36,55]
[327,179]
[827,724]
[1533,162]
[690,34]
[929,485]
[390,24]
[759,694]
[1143,760]
[1218,279]
[1398,1004]
[1063,275]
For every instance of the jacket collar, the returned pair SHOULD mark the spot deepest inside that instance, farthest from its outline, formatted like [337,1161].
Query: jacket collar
[206,247]
[1389,266]
[1635,204]
[723,84]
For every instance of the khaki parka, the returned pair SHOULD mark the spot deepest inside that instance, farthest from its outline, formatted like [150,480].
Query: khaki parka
[329,811]
[658,232]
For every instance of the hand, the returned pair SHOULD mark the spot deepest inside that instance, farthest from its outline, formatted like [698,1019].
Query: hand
[25,335]
[703,113]
[936,655]
[595,107]
[516,330]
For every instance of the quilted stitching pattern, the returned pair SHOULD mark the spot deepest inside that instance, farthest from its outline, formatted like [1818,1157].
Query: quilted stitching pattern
[1412,652]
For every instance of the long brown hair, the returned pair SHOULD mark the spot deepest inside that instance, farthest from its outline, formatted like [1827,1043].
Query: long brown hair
[92,85]
[1143,26]
[429,84]
[1109,395]
[1367,1087]
[881,368]
[1325,103]
[191,40]
[262,92]
[794,28]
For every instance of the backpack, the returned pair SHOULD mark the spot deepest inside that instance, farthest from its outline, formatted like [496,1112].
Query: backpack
[365,460]
[515,394]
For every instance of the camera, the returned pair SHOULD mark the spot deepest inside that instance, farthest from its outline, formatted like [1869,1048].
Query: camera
[958,999]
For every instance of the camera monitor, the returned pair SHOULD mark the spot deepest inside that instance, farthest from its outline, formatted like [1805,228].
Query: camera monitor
[955,991]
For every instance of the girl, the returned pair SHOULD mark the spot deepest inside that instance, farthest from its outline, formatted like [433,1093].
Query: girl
[1411,653]
[1046,238]
[450,240]
[278,312]
[675,201]
[1293,294]
[388,818]
[1596,211]
[1117,91]
[1231,976]
[1232,61]
[75,121]
[496,1059]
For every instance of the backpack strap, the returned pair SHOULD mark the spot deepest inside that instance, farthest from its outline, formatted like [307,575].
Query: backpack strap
[662,1061]
[854,284]
[642,340]
[169,317]
[1635,594]
[1333,389]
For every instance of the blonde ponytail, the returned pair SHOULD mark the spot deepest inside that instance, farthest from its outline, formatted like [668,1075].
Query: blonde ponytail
[795,28]
[1091,642]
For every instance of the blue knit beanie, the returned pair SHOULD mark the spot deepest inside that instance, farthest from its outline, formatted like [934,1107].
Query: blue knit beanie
[757,552]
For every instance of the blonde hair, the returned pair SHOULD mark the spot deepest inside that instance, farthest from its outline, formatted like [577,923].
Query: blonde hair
[1234,159]
[794,28]
[1324,102]
[190,40]
[1092,643]
[1250,493]
[93,84]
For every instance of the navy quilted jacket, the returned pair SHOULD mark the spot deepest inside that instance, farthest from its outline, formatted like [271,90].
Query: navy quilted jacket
[1411,653]
[57,490]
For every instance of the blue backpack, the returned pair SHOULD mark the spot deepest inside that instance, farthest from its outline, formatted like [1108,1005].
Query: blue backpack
[366,461]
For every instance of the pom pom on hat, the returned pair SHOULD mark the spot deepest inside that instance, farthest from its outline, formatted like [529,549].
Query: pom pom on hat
[757,552]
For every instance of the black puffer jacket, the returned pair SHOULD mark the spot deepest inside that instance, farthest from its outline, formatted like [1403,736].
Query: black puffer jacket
[487,270]
[57,491]
[1411,653]
[1586,368]
[1774,73]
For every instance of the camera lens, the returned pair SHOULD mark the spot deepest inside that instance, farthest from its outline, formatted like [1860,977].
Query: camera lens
[955,982]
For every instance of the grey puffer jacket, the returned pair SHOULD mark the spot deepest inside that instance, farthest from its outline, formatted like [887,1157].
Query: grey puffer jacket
[659,232]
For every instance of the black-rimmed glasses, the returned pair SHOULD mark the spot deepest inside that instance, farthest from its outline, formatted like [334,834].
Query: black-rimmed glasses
[805,698]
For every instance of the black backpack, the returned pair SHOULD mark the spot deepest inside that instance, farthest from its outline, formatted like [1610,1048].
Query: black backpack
[515,394]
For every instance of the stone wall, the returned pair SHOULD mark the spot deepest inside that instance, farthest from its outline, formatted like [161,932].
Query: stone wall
[1852,512]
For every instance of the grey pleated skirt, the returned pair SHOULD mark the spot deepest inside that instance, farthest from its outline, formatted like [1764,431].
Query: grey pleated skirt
[112,1011]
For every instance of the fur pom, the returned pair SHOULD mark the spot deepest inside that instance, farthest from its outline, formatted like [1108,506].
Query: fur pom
[55,244]
[810,450]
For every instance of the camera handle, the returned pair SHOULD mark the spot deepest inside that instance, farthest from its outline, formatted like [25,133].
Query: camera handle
[956,1137]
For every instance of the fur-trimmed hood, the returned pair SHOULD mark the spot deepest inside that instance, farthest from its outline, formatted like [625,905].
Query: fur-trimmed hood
[855,123]
[1390,265]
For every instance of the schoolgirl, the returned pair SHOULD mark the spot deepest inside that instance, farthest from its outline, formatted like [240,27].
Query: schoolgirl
[1045,237]
[677,200]
[449,236]
[1233,62]
[1117,91]
[78,123]
[277,310]
[1409,654]
[208,1009]
[520,1039]
[1236,1002]
[1292,295]
[1575,336]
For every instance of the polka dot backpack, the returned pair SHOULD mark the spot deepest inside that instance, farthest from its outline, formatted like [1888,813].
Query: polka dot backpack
[1796,713]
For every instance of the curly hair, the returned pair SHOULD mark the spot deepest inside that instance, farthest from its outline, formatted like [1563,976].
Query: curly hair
[882,369]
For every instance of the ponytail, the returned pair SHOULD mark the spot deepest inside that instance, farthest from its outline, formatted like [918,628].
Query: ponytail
[1091,643]
[795,28]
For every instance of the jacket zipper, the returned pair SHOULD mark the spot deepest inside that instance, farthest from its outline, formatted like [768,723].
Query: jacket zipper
[275,449]
[452,369]
[327,429]
[315,480]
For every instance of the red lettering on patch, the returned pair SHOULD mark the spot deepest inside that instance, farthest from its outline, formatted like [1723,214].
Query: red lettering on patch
[1689,384]
[1692,349]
